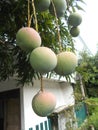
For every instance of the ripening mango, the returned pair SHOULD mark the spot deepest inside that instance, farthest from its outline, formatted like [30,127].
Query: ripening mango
[43,59]
[66,63]
[43,103]
[28,38]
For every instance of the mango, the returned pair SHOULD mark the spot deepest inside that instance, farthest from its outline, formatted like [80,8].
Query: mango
[43,103]
[66,63]
[43,59]
[28,38]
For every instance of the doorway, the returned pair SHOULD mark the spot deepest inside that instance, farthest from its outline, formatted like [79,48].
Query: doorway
[10,110]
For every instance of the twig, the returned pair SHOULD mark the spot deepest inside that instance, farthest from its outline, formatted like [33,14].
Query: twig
[35,17]
[67,2]
[57,24]
[29,18]
[2,42]
[41,88]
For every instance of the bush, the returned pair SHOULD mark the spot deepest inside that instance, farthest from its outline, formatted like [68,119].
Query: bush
[92,119]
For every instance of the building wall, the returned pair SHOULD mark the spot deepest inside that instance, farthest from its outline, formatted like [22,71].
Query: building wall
[62,90]
[8,85]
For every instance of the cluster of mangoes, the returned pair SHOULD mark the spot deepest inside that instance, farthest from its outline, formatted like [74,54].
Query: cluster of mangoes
[74,20]
[58,5]
[43,59]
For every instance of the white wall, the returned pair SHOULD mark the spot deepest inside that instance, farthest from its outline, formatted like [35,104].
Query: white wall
[62,90]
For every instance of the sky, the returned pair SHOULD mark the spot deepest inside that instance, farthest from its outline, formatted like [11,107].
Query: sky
[89,26]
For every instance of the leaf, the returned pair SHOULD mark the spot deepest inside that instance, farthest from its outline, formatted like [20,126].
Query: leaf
[82,1]
[92,101]
[79,7]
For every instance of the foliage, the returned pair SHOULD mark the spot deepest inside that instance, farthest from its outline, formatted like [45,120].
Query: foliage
[92,119]
[14,15]
[70,118]
[88,69]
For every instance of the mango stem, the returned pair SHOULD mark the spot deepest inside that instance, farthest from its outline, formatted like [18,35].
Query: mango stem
[57,24]
[41,88]
[35,17]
